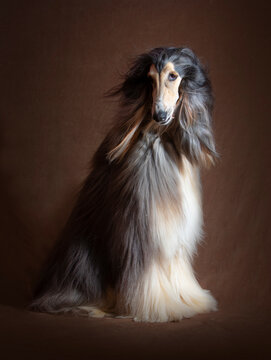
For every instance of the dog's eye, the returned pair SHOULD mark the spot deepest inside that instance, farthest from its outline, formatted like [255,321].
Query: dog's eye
[172,77]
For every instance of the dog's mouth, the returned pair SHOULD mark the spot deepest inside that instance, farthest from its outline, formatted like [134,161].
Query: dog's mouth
[165,122]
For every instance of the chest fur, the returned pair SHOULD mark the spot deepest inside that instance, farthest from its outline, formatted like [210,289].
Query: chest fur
[176,214]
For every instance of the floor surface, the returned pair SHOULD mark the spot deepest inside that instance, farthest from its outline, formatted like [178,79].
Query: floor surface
[26,335]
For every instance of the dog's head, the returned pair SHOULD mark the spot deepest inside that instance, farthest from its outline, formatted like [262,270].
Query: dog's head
[174,86]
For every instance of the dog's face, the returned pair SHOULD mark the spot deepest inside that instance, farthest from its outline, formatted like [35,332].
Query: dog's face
[171,87]
[165,93]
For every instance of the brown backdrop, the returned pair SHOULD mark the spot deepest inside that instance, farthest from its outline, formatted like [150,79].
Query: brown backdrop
[57,59]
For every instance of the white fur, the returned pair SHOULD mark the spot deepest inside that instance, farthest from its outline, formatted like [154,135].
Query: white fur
[179,225]
[190,197]
[168,290]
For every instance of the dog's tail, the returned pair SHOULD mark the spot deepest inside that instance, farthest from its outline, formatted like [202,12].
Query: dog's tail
[70,278]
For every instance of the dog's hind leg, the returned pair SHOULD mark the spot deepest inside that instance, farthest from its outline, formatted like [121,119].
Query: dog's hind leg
[72,278]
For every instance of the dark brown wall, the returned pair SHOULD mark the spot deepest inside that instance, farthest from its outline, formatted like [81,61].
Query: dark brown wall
[59,57]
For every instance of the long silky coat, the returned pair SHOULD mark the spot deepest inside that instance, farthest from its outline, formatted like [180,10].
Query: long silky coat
[127,247]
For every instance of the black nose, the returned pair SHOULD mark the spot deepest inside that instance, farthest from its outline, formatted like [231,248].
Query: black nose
[160,116]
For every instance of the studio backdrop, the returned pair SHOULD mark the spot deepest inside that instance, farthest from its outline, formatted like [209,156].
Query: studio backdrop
[57,60]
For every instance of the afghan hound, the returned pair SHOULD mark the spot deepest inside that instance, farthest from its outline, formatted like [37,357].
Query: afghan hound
[127,247]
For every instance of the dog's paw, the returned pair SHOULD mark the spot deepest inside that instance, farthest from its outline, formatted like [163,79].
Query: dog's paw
[202,303]
[89,311]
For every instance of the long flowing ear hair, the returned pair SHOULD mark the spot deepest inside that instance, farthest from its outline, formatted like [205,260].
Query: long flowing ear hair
[135,95]
[134,89]
[195,109]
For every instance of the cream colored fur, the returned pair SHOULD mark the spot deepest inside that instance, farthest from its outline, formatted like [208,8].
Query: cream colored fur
[168,290]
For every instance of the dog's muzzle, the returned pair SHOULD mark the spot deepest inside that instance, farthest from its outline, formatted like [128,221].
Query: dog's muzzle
[160,116]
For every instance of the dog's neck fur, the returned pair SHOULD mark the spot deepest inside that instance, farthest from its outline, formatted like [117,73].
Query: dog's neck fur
[141,125]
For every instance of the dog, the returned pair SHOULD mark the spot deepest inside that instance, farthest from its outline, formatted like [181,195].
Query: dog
[128,245]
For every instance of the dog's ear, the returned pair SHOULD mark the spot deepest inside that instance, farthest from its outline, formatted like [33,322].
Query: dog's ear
[195,112]
[134,93]
[136,86]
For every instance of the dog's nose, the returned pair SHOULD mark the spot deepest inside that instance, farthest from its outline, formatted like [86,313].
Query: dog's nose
[160,116]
